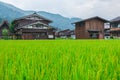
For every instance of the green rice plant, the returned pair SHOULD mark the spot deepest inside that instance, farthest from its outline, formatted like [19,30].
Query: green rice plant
[60,60]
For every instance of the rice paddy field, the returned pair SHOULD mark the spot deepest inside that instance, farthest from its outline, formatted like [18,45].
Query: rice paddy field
[60,60]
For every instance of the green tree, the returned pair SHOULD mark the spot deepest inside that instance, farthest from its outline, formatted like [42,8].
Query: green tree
[12,31]
[5,33]
[11,28]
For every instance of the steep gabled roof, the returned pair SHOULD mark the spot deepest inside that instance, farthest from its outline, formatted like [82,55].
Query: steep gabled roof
[96,17]
[34,14]
[4,22]
[116,19]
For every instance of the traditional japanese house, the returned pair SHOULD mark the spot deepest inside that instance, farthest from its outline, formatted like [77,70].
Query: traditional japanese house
[33,26]
[4,26]
[115,27]
[92,28]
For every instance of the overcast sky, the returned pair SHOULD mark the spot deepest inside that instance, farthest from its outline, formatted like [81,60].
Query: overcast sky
[72,8]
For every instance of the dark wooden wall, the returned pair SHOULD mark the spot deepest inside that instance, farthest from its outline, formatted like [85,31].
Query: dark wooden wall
[81,29]
[33,34]
[94,24]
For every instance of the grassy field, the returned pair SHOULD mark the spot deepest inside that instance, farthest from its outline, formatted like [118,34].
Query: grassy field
[60,60]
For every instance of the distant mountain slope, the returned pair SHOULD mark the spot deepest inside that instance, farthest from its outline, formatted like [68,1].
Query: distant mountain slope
[59,21]
[10,12]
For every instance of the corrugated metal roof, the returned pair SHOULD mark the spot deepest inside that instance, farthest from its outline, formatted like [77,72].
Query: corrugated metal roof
[116,19]
[96,17]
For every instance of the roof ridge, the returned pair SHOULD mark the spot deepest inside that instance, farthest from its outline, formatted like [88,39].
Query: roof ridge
[92,18]
[34,14]
[4,21]
[116,19]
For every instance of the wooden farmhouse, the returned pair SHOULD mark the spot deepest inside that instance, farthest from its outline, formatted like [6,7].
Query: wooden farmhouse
[33,26]
[115,27]
[92,28]
[4,25]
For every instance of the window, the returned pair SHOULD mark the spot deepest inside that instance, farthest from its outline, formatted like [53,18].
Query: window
[107,25]
[114,25]
[50,36]
[30,27]
[43,34]
[38,25]
[81,24]
[94,35]
[118,25]
[44,27]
